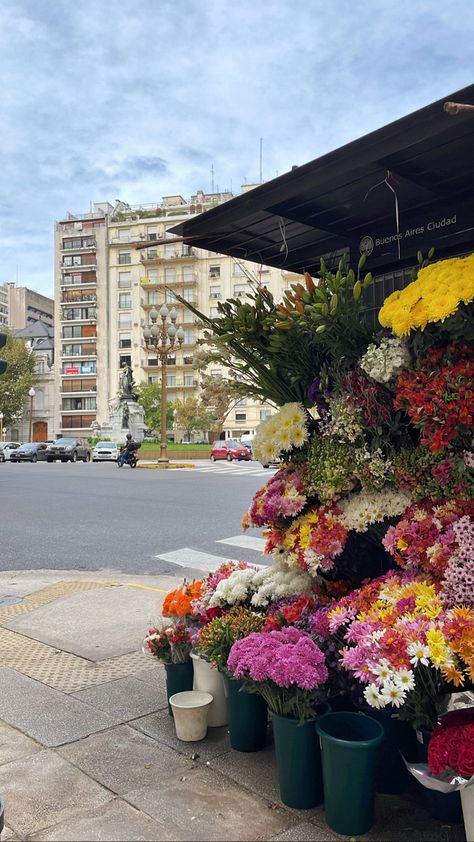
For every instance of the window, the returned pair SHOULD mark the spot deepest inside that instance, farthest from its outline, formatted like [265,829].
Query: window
[125,300]
[70,280]
[153,378]
[171,379]
[124,320]
[188,337]
[77,422]
[265,413]
[170,250]
[74,350]
[170,275]
[170,296]
[240,289]
[214,271]
[124,235]
[79,364]
[213,312]
[72,260]
[216,372]
[188,360]
[189,380]
[240,416]
[152,274]
[125,340]
[238,270]
[124,257]
[188,294]
[152,232]
[241,402]
[187,273]
[40,369]
[125,280]
[214,292]
[72,331]
[151,254]
[152,298]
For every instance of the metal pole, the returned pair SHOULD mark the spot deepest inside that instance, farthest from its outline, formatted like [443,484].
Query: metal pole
[163,448]
[31,418]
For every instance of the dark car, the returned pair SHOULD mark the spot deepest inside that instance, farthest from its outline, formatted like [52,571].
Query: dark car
[33,451]
[68,450]
[229,450]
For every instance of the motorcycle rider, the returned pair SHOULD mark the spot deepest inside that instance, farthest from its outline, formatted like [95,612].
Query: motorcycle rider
[130,447]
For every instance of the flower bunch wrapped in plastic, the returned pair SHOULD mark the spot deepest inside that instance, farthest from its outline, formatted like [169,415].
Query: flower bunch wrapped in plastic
[179,603]
[283,496]
[170,644]
[201,606]
[280,433]
[331,468]
[437,293]
[257,588]
[438,396]
[312,542]
[425,537]
[408,648]
[361,510]
[217,637]
[451,747]
[384,361]
[286,667]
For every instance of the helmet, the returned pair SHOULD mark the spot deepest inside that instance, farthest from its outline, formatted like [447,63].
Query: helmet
[129,436]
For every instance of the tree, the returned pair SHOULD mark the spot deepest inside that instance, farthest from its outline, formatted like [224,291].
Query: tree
[218,396]
[191,416]
[17,380]
[149,397]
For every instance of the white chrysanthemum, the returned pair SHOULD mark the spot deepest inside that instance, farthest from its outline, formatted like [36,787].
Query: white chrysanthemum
[385,361]
[234,590]
[300,435]
[405,679]
[280,432]
[278,581]
[366,507]
[393,694]
[373,698]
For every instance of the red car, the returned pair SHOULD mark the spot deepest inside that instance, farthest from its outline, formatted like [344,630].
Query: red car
[229,450]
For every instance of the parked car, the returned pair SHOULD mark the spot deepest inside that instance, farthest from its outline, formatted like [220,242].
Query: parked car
[33,451]
[68,450]
[7,448]
[229,450]
[246,441]
[105,451]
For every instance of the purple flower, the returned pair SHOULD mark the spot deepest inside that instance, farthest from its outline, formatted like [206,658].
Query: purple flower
[288,658]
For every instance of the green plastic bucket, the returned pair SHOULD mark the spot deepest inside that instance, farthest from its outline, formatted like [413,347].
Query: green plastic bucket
[179,678]
[349,750]
[248,717]
[392,775]
[298,762]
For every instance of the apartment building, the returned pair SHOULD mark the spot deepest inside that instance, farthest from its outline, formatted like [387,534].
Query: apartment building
[105,289]
[20,307]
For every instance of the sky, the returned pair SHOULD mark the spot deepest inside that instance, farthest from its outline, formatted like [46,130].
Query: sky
[108,99]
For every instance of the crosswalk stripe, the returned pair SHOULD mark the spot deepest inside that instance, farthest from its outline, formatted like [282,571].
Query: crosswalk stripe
[249,542]
[197,560]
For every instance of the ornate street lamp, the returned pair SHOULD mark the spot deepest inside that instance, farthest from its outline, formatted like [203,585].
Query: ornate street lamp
[162,339]
[1,425]
[31,393]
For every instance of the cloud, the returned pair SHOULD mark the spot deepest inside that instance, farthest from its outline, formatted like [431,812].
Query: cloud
[101,101]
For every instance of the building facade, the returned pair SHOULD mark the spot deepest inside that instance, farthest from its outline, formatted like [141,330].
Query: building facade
[105,289]
[20,307]
[39,416]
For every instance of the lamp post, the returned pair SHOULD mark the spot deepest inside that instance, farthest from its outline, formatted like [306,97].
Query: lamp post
[162,339]
[31,393]
[1,426]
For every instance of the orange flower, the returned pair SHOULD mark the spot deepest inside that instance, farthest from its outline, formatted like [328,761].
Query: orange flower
[178,603]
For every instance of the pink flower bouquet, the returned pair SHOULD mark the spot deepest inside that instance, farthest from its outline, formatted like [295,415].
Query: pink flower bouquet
[286,667]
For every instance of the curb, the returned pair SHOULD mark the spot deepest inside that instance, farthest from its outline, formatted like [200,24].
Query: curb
[164,467]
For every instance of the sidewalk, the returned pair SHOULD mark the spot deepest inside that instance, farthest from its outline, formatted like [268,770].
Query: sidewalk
[87,747]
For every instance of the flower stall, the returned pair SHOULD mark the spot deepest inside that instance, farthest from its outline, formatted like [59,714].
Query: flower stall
[366,605]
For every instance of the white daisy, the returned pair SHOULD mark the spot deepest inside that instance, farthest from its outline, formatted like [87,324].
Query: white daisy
[372,697]
[404,679]
[393,694]
[419,653]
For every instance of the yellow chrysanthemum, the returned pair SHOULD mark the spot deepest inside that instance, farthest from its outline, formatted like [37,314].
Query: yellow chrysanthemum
[441,307]
[419,314]
[402,322]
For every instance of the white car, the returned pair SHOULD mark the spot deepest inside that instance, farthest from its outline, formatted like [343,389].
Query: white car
[6,449]
[105,451]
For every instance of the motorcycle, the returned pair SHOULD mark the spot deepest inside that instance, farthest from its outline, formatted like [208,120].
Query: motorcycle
[127,457]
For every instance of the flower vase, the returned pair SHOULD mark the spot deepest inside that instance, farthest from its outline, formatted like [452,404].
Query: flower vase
[298,762]
[209,680]
[467,801]
[179,678]
[248,717]
[441,806]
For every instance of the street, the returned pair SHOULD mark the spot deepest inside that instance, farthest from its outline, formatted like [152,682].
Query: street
[96,517]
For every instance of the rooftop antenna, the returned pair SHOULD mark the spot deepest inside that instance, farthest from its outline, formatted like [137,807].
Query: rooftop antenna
[261,148]
[212,175]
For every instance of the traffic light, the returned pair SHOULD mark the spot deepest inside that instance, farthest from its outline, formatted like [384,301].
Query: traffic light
[3,363]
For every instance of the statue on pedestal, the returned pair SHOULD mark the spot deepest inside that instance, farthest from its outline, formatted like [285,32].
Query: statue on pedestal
[127,382]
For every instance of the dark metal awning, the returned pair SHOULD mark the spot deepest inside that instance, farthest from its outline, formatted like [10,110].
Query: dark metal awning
[404,187]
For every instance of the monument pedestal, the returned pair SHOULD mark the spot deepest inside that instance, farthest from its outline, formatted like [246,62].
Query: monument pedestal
[125,416]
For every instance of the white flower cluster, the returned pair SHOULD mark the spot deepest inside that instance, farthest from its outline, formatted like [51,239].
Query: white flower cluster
[280,432]
[390,686]
[260,587]
[277,582]
[385,361]
[366,507]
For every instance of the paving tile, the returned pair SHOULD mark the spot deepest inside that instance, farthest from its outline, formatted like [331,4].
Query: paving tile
[45,714]
[116,821]
[14,745]
[254,770]
[154,675]
[126,698]
[204,805]
[305,832]
[42,789]
[160,726]
[123,759]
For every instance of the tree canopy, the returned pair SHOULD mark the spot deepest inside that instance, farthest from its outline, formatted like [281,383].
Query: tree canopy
[17,379]
[149,397]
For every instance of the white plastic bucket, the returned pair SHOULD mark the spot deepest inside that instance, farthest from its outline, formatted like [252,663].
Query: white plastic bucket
[209,680]
[190,711]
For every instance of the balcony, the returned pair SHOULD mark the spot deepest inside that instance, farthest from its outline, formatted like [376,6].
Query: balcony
[158,283]
[82,267]
[80,249]
[72,298]
[153,256]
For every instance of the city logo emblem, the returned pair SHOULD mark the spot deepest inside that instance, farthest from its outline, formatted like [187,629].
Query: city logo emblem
[366,245]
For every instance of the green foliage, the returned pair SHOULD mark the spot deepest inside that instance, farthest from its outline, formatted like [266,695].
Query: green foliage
[92,440]
[17,380]
[191,416]
[149,397]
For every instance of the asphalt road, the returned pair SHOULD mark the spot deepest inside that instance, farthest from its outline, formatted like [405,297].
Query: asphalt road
[95,516]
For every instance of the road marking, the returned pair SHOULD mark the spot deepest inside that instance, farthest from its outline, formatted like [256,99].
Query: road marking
[248,542]
[144,587]
[195,559]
